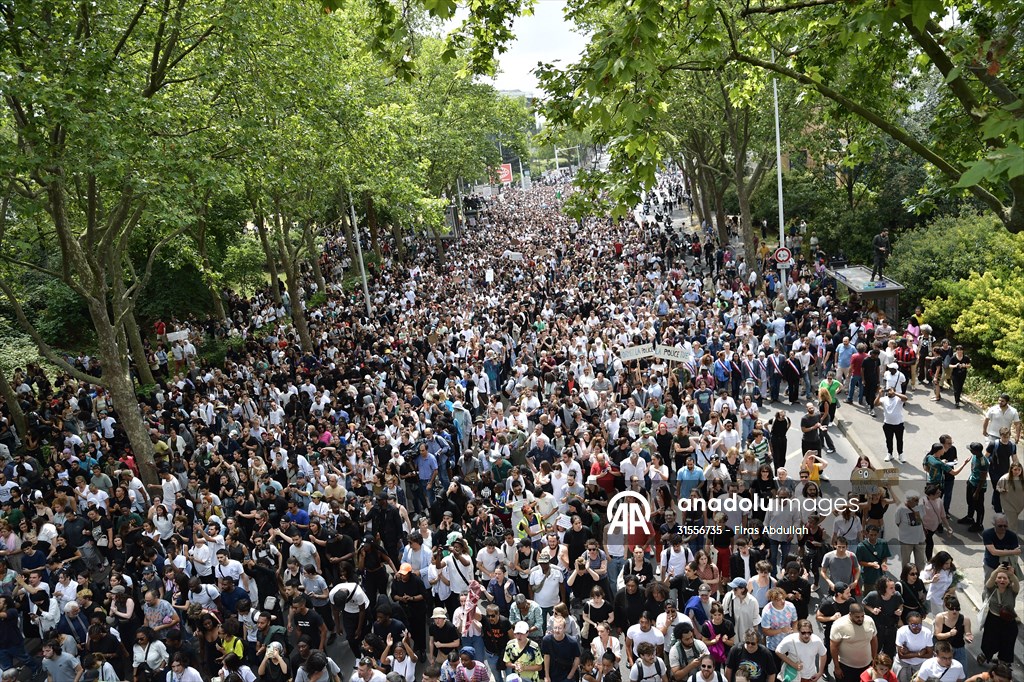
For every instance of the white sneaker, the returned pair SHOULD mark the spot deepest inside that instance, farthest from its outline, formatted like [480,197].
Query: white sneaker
[888,458]
[901,459]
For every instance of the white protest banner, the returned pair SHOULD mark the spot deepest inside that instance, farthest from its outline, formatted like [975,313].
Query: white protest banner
[174,336]
[644,350]
[489,275]
[671,354]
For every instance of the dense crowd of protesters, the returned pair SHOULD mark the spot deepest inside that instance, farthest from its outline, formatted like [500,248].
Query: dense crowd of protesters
[432,484]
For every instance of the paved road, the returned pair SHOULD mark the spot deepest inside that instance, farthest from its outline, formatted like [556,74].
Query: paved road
[925,422]
[861,435]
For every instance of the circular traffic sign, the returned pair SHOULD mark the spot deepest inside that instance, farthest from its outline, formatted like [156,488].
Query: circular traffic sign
[783,255]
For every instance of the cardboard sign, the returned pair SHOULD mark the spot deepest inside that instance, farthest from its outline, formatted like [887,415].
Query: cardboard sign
[644,350]
[671,354]
[866,480]
[863,480]
[175,336]
[888,477]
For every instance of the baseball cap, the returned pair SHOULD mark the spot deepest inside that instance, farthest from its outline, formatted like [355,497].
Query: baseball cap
[521,628]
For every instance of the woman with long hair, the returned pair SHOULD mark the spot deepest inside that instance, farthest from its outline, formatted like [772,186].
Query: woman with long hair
[707,570]
[913,590]
[149,655]
[952,626]
[778,429]
[1011,494]
[938,575]
[933,518]
[880,669]
[1001,619]
[826,410]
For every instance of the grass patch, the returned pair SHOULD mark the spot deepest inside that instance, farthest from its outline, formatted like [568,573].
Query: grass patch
[983,390]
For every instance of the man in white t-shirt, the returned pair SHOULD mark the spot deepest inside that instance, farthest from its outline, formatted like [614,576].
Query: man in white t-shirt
[804,651]
[892,421]
[648,667]
[202,559]
[634,465]
[1001,416]
[546,583]
[913,646]
[460,567]
[350,600]
[366,672]
[641,633]
[942,666]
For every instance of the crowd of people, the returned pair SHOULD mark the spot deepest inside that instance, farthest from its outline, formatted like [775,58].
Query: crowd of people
[430,486]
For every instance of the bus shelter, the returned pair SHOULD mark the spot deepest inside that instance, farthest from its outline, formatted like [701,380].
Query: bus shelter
[880,296]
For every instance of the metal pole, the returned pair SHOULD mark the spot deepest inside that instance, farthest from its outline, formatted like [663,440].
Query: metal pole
[778,159]
[556,160]
[359,253]
[778,174]
[461,217]
[522,178]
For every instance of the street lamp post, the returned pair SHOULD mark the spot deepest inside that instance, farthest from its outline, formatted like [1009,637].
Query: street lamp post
[778,168]
[359,254]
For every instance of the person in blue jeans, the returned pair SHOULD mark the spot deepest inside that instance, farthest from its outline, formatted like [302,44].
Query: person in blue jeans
[561,654]
[496,631]
[428,469]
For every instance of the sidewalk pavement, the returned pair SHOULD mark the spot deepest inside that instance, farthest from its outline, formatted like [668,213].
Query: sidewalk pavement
[925,422]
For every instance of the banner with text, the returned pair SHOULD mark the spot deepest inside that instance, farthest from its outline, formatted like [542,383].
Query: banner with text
[672,354]
[644,350]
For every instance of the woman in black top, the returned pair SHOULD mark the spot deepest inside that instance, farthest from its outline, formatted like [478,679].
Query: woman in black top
[657,597]
[913,590]
[874,511]
[596,610]
[952,620]
[639,566]
[779,427]
[629,604]
[763,486]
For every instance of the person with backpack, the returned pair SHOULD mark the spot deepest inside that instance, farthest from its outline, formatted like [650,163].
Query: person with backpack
[706,671]
[686,654]
[648,667]
[350,602]
[522,656]
[802,653]
[267,633]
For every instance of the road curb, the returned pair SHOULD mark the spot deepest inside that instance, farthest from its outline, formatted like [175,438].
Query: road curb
[972,594]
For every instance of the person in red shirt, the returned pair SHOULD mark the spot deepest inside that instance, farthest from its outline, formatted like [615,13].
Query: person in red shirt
[906,358]
[856,376]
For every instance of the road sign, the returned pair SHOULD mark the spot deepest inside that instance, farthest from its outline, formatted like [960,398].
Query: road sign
[783,255]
